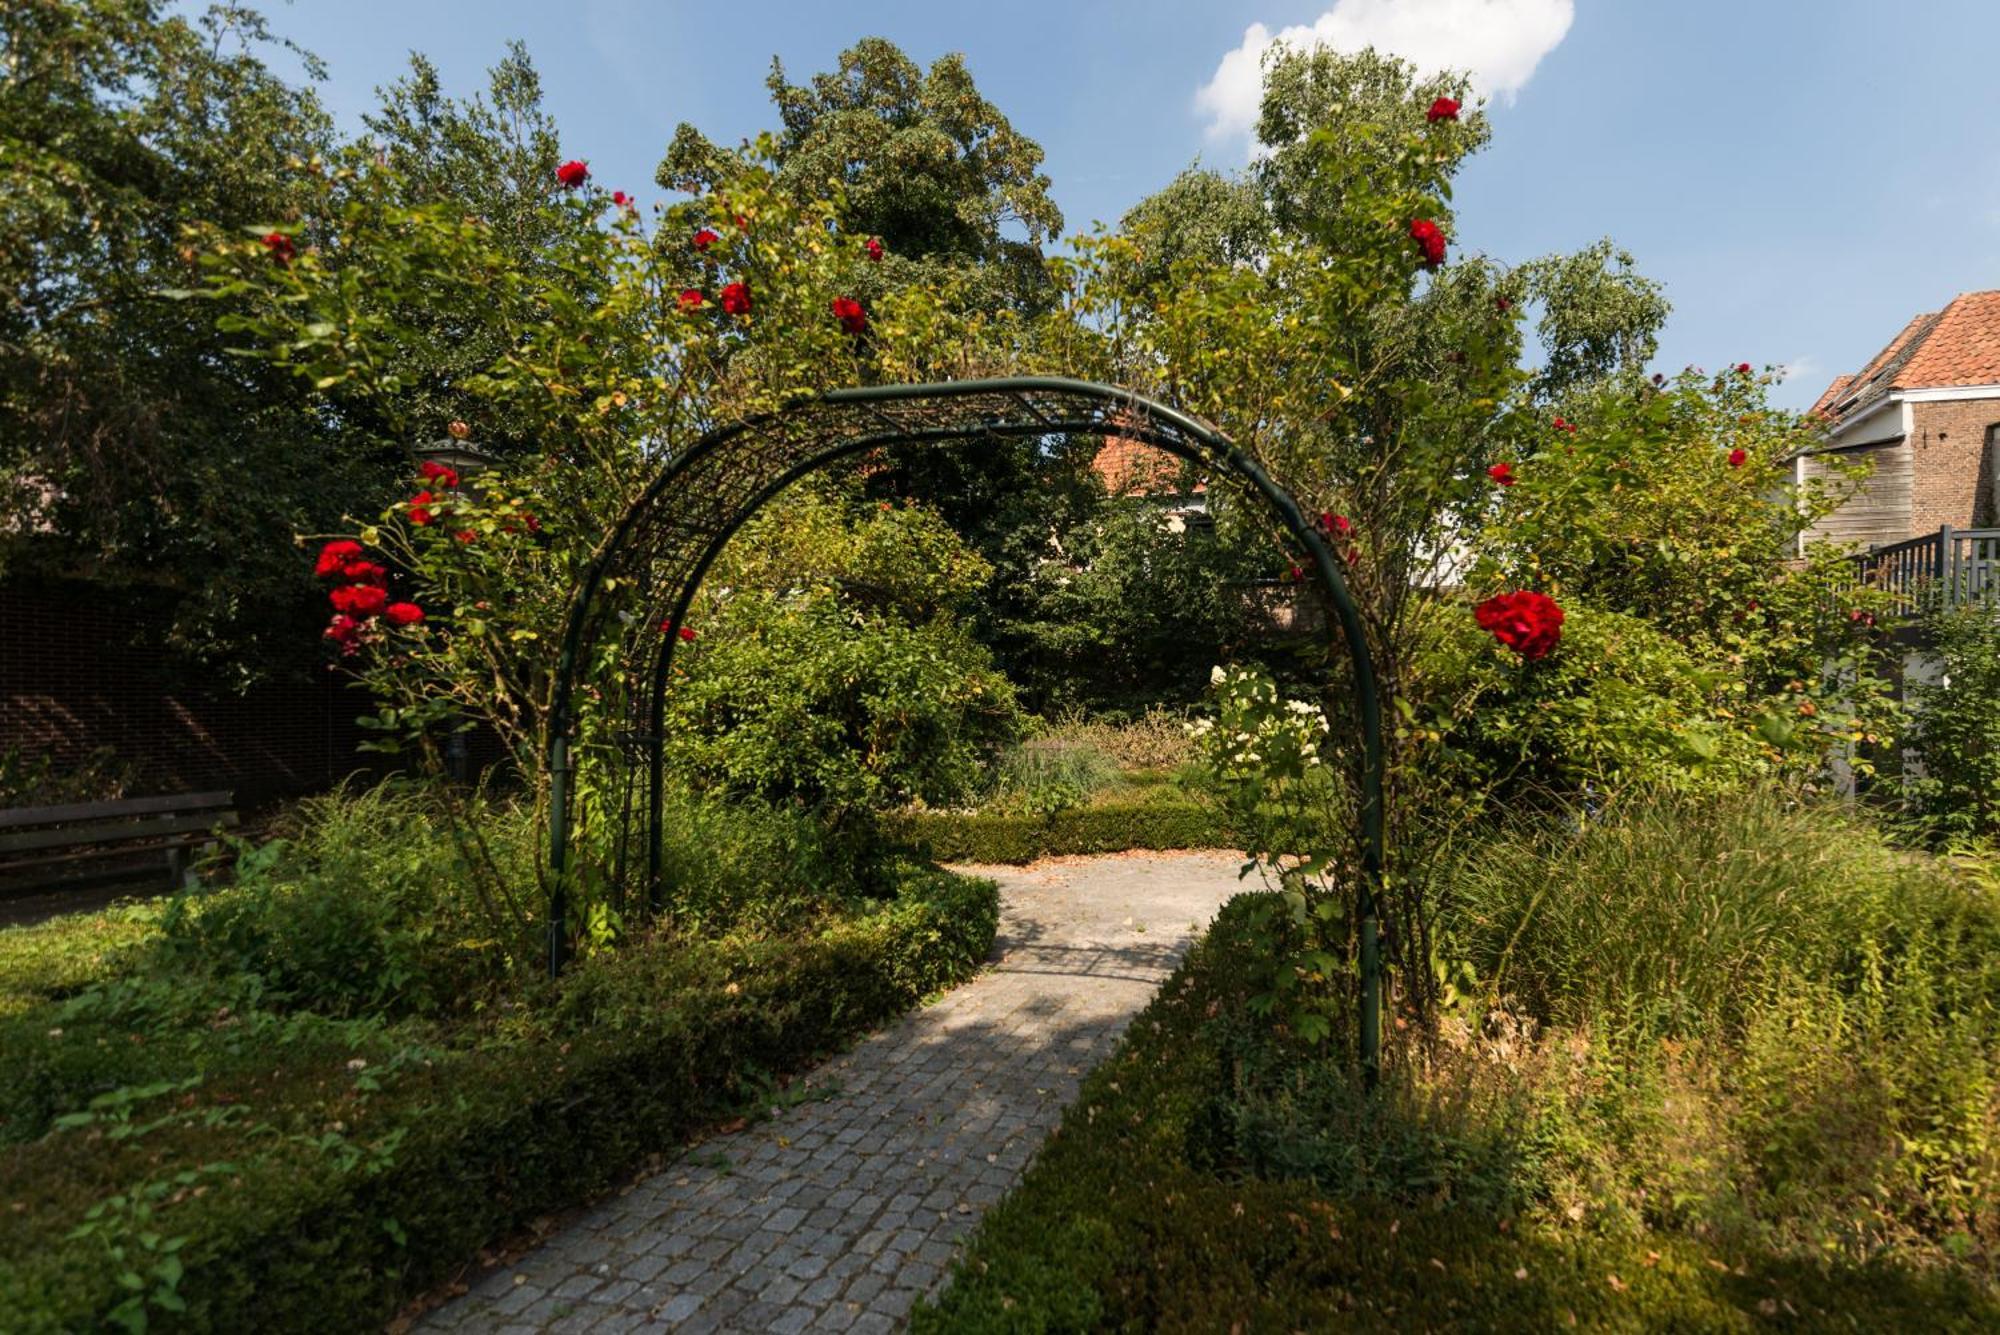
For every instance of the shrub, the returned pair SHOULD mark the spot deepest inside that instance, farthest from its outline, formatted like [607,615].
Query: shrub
[320,1171]
[1954,728]
[365,903]
[1682,913]
[1216,1175]
[1047,774]
[1165,821]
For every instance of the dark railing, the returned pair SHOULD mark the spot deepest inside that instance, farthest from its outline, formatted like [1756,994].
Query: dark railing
[1952,566]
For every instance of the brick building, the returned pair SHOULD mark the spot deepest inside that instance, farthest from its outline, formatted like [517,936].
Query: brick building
[1925,411]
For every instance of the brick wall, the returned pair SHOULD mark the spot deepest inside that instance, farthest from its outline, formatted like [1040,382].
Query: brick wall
[1952,479]
[73,681]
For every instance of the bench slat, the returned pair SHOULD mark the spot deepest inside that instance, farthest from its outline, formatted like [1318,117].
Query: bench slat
[114,832]
[26,817]
[10,865]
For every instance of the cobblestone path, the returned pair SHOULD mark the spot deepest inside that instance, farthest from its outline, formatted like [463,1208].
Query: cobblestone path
[837,1213]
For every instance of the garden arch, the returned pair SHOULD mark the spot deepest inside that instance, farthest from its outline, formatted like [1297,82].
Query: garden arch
[646,576]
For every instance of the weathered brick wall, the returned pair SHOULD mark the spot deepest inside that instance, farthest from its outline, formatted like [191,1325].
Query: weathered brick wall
[1952,466]
[73,681]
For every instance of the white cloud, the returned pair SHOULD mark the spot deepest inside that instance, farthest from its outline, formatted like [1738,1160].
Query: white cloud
[1499,42]
[1800,368]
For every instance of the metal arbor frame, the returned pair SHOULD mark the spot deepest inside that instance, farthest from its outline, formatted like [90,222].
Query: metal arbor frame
[648,571]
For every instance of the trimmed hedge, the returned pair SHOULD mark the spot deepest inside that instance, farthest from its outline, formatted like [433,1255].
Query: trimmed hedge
[1118,1227]
[358,1193]
[1111,827]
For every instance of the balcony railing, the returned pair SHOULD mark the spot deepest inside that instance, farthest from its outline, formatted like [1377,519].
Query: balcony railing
[1952,566]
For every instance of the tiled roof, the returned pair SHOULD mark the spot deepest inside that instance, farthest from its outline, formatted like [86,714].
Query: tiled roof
[1964,349]
[1959,345]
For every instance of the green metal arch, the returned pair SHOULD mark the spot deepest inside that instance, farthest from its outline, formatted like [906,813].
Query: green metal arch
[671,535]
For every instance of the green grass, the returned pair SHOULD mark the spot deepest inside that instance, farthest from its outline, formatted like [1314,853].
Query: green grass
[63,955]
[316,1093]
[1145,1212]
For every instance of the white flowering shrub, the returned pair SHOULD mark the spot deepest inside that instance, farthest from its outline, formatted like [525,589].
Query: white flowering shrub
[1266,758]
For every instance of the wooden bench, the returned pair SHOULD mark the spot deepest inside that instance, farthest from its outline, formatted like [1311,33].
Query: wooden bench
[142,839]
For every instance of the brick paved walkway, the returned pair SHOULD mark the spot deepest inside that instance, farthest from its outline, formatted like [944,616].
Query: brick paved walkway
[838,1212]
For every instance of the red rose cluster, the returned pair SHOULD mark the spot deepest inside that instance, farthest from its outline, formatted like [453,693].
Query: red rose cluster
[735,297]
[1444,109]
[572,174]
[1430,239]
[1527,622]
[361,598]
[1502,474]
[280,246]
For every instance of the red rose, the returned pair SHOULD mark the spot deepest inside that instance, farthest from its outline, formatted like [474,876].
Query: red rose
[1502,473]
[281,247]
[1736,458]
[852,318]
[621,199]
[1503,304]
[433,471]
[403,614]
[344,631]
[572,174]
[703,239]
[1338,526]
[685,632]
[466,536]
[1444,109]
[1743,368]
[1295,574]
[420,504]
[736,298]
[333,557]
[874,247]
[1429,239]
[691,299]
[1527,622]
[741,224]
[364,572]
[358,600]
[534,524]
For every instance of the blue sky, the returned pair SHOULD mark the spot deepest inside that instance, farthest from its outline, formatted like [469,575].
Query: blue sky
[1803,175]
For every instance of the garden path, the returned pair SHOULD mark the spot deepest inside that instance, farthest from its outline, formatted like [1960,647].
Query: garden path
[840,1211]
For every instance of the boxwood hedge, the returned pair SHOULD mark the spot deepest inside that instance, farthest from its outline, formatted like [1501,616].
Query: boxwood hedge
[318,1191]
[1005,838]
[1121,1224]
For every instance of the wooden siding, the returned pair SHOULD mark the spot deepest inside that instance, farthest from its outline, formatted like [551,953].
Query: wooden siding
[1879,511]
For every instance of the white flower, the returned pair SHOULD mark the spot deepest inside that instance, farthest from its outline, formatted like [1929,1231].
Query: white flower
[1216,676]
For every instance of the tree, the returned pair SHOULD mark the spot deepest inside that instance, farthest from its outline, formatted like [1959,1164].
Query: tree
[132,451]
[919,159]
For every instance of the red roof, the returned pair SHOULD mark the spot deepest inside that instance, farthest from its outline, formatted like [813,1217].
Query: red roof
[1959,345]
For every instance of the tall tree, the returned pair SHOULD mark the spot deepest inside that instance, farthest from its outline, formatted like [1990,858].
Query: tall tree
[131,449]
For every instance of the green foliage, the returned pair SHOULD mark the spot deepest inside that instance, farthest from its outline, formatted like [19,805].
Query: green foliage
[64,955]
[125,437]
[1954,727]
[1681,914]
[365,904]
[1620,704]
[34,779]
[1044,775]
[917,158]
[1125,608]
[320,1172]
[1214,1173]
[830,671]
[1155,818]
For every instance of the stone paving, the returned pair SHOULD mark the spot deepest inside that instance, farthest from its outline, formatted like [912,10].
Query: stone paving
[837,1213]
